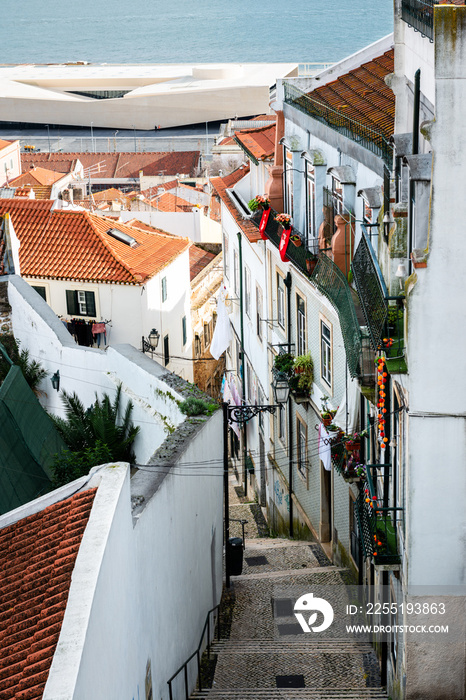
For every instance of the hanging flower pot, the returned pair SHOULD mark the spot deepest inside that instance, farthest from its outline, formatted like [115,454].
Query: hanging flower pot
[352,446]
[296,240]
[311,264]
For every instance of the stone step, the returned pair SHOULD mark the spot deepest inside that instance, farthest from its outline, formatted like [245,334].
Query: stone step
[291,694]
[313,646]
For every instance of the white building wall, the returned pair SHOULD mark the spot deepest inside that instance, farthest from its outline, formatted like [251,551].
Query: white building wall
[142,586]
[10,163]
[89,371]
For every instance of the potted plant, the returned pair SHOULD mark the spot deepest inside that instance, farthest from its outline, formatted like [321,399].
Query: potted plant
[284,363]
[353,441]
[302,381]
[260,201]
[354,470]
[295,239]
[284,220]
[311,262]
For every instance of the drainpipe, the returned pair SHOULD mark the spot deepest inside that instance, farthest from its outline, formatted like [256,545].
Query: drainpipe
[243,363]
[416,109]
[287,283]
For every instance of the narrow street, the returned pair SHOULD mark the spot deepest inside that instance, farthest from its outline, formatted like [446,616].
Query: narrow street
[264,656]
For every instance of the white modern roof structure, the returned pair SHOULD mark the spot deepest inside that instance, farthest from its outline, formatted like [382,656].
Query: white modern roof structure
[136,96]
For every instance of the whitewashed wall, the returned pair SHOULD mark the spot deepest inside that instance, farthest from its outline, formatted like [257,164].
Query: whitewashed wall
[88,371]
[194,225]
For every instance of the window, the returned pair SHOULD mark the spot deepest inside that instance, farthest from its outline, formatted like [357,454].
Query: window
[236,272]
[288,182]
[197,345]
[79,303]
[226,259]
[301,445]
[280,301]
[184,330]
[164,289]
[41,291]
[247,291]
[259,312]
[326,353]
[310,201]
[166,350]
[206,335]
[301,326]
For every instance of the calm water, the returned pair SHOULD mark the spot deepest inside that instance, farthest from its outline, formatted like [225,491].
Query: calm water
[175,31]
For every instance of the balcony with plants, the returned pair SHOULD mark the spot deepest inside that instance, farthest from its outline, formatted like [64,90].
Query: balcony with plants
[377,525]
[298,372]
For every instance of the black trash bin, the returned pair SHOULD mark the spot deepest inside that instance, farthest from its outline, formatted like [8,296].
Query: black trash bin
[235,556]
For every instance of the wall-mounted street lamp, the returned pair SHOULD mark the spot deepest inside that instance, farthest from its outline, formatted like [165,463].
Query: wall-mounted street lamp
[243,414]
[56,380]
[152,341]
[388,222]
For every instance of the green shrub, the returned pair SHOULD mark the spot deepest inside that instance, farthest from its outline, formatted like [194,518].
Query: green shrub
[194,406]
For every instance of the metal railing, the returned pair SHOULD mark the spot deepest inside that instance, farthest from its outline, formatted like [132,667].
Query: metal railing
[197,654]
[366,136]
[371,289]
[369,138]
[377,525]
[331,282]
[419,14]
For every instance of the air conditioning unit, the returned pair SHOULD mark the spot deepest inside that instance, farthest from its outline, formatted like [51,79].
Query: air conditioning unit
[78,193]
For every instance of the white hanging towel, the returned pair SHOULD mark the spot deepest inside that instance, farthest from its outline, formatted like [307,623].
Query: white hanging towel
[222,334]
[350,402]
[325,449]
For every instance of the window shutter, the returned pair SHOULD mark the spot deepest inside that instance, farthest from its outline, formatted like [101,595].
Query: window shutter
[72,303]
[90,304]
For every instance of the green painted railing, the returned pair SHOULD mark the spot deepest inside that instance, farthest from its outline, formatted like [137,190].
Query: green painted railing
[369,138]
[377,525]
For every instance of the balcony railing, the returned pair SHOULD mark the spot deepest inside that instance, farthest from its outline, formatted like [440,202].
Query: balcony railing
[332,283]
[377,526]
[367,137]
[371,289]
[419,14]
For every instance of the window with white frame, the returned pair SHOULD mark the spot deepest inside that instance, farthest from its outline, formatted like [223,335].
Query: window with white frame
[326,352]
[337,192]
[288,181]
[280,301]
[236,272]
[301,325]
[247,291]
[301,445]
[80,303]
[259,312]
[310,201]
[226,258]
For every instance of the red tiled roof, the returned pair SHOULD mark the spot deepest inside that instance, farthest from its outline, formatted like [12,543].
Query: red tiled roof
[220,185]
[260,143]
[170,202]
[120,165]
[363,95]
[37,176]
[198,259]
[110,195]
[64,244]
[37,558]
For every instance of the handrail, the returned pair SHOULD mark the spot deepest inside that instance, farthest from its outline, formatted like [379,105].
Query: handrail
[184,667]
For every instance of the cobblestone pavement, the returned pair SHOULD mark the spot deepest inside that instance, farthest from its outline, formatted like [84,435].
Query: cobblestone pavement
[260,659]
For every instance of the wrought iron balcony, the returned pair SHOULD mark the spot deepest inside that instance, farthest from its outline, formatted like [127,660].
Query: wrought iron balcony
[332,283]
[369,138]
[371,289]
[377,526]
[419,14]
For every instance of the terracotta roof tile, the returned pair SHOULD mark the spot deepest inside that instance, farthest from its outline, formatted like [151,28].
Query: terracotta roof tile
[63,244]
[122,165]
[259,143]
[171,202]
[36,176]
[220,185]
[32,614]
[198,259]
[363,95]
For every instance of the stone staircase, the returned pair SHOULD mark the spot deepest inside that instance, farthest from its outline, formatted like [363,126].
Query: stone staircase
[291,694]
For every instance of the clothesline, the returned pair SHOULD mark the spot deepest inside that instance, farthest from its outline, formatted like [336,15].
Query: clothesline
[87,332]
